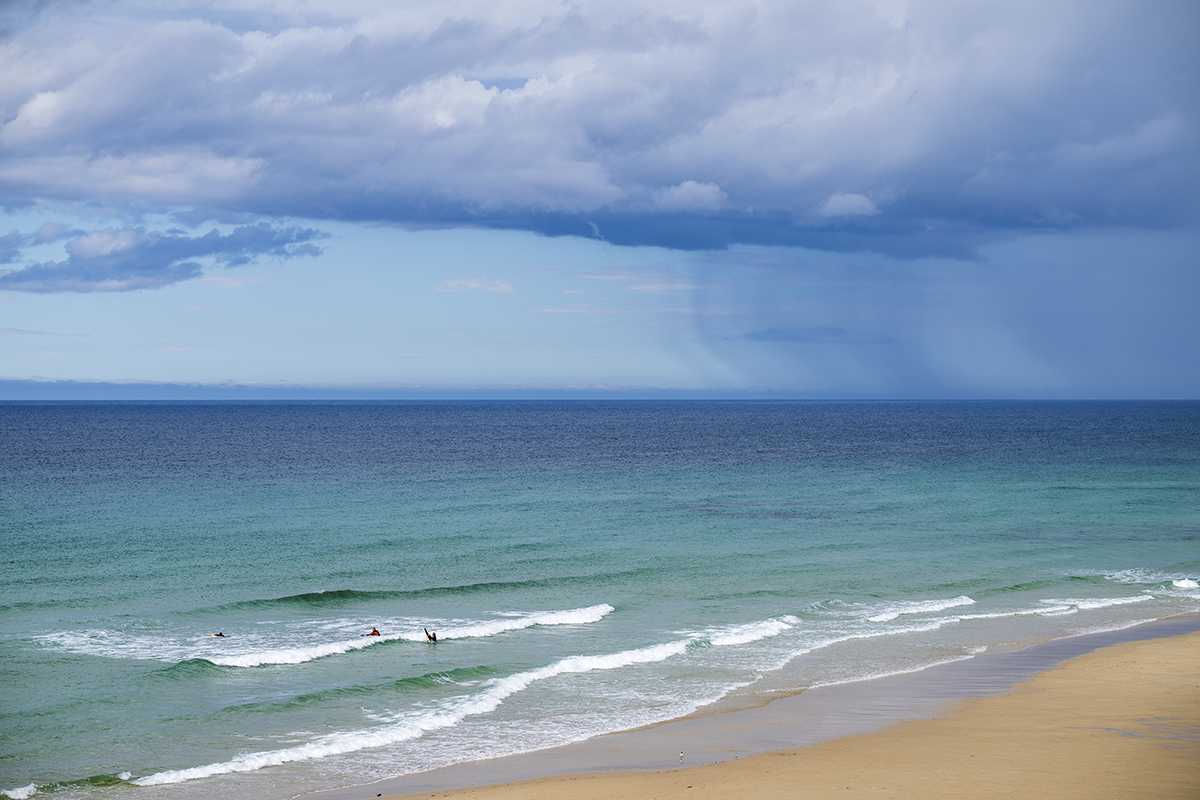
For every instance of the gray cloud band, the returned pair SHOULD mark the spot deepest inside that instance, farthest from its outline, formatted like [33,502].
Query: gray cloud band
[134,258]
[912,129]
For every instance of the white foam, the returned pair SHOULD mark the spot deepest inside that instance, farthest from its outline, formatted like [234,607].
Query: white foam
[1090,603]
[993,615]
[873,633]
[888,674]
[233,651]
[20,793]
[891,611]
[464,630]
[297,655]
[252,650]
[750,632]
[115,644]
[1134,576]
[574,616]
[1109,628]
[1056,611]
[1152,577]
[411,726]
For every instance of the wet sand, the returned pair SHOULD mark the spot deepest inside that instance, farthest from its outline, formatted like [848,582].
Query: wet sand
[1120,722]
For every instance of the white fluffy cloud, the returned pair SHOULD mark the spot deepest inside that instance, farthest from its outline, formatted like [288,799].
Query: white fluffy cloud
[557,116]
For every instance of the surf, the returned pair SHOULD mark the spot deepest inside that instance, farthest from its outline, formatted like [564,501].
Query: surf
[250,650]
[452,711]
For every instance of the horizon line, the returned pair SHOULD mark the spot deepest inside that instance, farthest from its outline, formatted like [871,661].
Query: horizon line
[52,390]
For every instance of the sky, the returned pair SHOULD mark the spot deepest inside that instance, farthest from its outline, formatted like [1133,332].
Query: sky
[850,199]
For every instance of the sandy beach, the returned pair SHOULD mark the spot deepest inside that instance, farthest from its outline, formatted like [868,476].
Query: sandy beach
[1120,722]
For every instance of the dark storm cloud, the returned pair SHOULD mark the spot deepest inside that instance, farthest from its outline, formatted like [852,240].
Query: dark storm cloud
[907,128]
[134,258]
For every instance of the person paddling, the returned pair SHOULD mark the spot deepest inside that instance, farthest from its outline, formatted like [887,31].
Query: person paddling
[432,637]
[374,632]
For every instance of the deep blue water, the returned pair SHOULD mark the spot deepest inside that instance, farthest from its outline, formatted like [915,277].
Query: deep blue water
[588,567]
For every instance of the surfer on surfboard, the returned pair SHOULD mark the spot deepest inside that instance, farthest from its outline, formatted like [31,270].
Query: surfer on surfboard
[374,632]
[432,637]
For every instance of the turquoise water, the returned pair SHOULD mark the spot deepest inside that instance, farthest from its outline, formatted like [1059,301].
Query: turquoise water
[588,567]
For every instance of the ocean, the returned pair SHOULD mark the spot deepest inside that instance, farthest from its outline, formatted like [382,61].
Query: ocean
[587,567]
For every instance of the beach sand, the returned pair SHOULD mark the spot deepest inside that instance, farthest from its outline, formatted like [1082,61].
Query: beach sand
[1120,722]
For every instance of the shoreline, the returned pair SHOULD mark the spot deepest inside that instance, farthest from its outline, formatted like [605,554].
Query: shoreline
[751,727]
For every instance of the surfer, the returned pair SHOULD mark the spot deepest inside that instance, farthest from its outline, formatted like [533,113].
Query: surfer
[374,632]
[432,637]
[217,634]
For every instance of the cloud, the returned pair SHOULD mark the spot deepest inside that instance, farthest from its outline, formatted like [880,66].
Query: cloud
[473,284]
[692,124]
[135,258]
[10,246]
[691,196]
[844,204]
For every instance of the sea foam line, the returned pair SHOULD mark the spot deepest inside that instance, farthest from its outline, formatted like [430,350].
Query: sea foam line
[113,644]
[752,631]
[1073,604]
[919,607]
[1149,577]
[470,630]
[453,711]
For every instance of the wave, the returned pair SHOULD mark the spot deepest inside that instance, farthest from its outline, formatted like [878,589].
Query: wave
[575,616]
[1027,586]
[447,714]
[189,656]
[919,626]
[1060,606]
[343,597]
[450,712]
[894,611]
[752,632]
[870,676]
[891,611]
[190,668]
[1151,577]
[298,655]
[185,652]
[1019,612]
[24,792]
[461,676]
[468,630]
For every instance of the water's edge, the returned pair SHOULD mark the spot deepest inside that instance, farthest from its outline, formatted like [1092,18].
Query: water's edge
[795,720]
